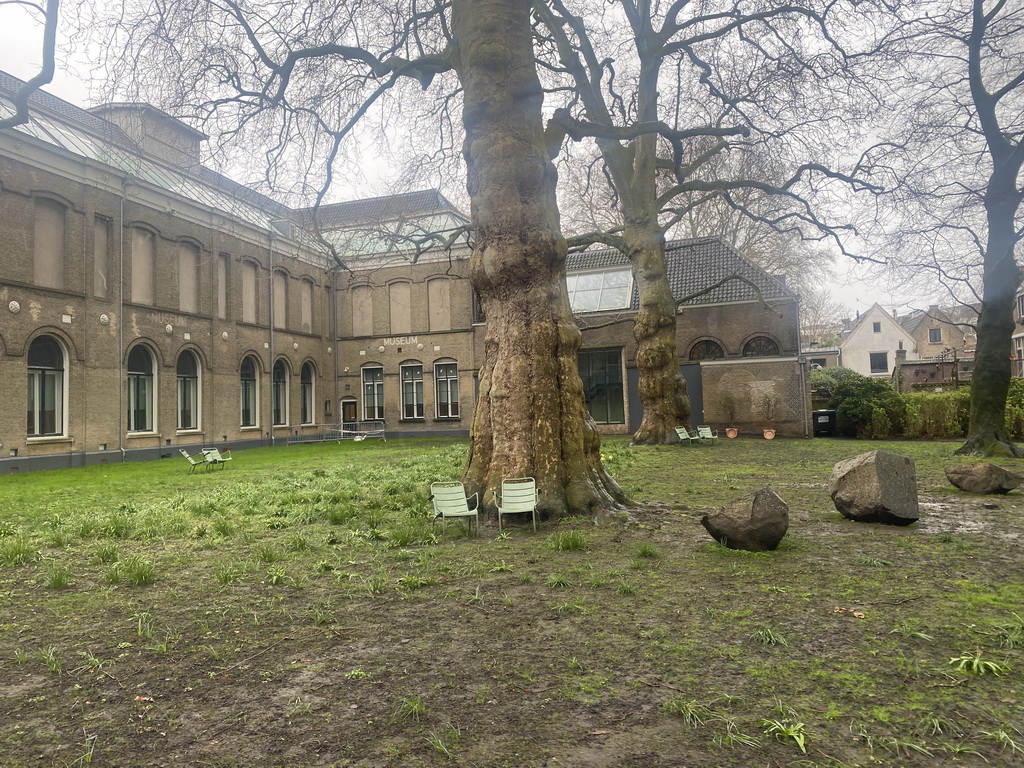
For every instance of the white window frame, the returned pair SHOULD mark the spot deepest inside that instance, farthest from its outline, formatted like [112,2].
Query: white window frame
[253,385]
[603,305]
[279,394]
[412,396]
[373,399]
[449,386]
[37,380]
[150,394]
[307,394]
[189,388]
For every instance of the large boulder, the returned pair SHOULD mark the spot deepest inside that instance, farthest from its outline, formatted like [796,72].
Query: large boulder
[982,477]
[756,522]
[876,487]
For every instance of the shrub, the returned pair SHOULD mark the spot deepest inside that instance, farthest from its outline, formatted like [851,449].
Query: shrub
[866,407]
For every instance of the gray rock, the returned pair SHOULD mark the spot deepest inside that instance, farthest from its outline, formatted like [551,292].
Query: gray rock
[982,477]
[876,487]
[754,523]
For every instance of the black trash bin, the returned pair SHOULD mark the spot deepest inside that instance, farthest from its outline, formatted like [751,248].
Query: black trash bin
[824,422]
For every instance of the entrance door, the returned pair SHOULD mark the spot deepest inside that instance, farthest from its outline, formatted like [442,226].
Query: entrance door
[348,412]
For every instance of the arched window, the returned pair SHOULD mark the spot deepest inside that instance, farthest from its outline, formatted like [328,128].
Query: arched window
[306,393]
[249,386]
[188,390]
[760,346]
[141,388]
[279,394]
[706,350]
[45,387]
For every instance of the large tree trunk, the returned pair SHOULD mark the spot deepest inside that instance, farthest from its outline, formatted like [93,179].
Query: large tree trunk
[531,419]
[661,388]
[987,435]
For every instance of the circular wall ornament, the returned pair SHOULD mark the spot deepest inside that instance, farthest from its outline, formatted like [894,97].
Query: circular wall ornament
[329,350]
[224,335]
[419,347]
[15,307]
[295,346]
[380,348]
[169,328]
[104,319]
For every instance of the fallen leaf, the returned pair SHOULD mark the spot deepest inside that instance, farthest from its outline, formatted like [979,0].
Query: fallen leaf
[143,698]
[599,733]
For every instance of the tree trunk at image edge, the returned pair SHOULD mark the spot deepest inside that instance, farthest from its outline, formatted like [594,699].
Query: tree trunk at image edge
[662,390]
[530,419]
[987,435]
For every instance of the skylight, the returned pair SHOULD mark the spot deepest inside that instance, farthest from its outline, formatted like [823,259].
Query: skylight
[597,291]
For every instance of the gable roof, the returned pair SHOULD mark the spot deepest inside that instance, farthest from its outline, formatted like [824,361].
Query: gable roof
[693,266]
[877,313]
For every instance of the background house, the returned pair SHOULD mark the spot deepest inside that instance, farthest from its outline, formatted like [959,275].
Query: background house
[869,343]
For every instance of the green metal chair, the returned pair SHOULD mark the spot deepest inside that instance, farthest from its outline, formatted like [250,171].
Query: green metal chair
[449,500]
[707,434]
[518,496]
[192,463]
[685,434]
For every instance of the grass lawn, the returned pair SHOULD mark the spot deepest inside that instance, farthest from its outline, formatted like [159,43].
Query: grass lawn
[297,608]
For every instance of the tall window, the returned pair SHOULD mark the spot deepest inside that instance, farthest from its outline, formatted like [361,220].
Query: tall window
[412,391]
[143,258]
[306,305]
[760,346]
[249,386]
[45,387]
[373,394]
[100,246]
[188,390]
[439,304]
[188,278]
[601,371]
[48,268]
[595,291]
[280,299]
[222,286]
[401,309]
[140,390]
[249,292]
[362,310]
[446,389]
[279,394]
[306,393]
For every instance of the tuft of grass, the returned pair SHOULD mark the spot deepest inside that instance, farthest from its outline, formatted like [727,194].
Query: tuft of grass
[410,708]
[50,658]
[768,636]
[558,581]
[786,729]
[974,663]
[1004,739]
[108,553]
[16,551]
[873,562]
[625,588]
[267,552]
[569,541]
[57,576]
[646,551]
[227,572]
[277,575]
[134,570]
[356,674]
[692,712]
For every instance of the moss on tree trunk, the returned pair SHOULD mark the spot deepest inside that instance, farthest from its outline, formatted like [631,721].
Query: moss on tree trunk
[530,419]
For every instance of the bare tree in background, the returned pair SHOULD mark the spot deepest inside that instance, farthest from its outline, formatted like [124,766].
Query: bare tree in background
[299,75]
[741,77]
[953,165]
[50,16]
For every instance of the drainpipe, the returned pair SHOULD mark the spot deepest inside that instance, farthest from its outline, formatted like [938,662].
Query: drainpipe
[120,325]
[270,371]
[802,362]
[332,275]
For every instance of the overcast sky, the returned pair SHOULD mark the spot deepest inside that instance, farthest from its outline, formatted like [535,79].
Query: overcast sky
[21,56]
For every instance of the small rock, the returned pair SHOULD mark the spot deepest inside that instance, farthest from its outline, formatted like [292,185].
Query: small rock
[983,477]
[755,523]
[876,487]
[990,505]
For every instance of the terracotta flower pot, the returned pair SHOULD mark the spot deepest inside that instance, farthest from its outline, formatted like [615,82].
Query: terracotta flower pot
[769,433]
[731,432]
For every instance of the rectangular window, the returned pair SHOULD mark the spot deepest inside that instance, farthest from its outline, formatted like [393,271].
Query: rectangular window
[401,309]
[601,371]
[188,278]
[306,305]
[935,335]
[222,287]
[373,394]
[876,327]
[140,402]
[446,388]
[280,300]
[412,391]
[48,268]
[879,362]
[597,291]
[143,256]
[45,402]
[188,402]
[249,292]
[362,310]
[100,245]
[439,304]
